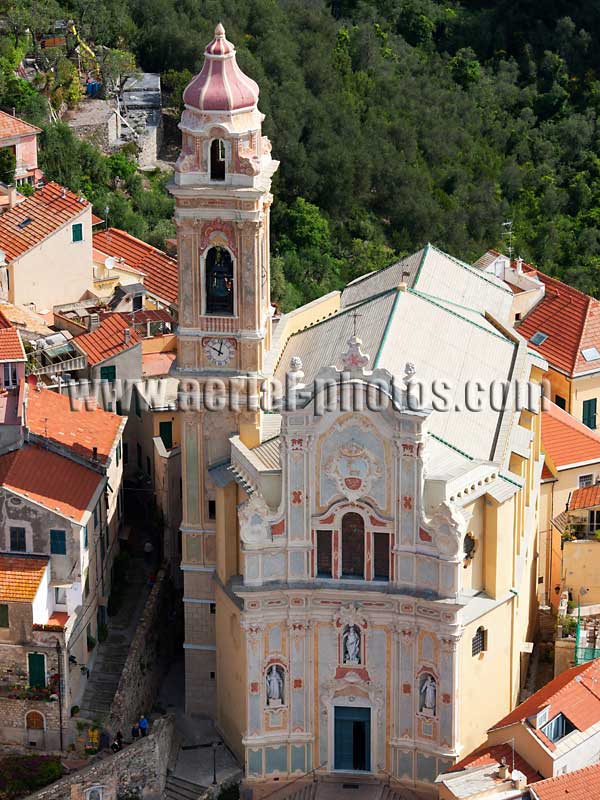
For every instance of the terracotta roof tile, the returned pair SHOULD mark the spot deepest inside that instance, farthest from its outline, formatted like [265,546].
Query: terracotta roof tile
[20,577]
[52,416]
[160,270]
[29,223]
[491,754]
[13,126]
[108,339]
[587,497]
[155,364]
[55,482]
[571,321]
[575,693]
[583,784]
[566,440]
[11,346]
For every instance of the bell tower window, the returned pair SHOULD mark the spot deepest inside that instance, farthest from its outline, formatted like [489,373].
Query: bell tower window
[353,546]
[219,281]
[217,160]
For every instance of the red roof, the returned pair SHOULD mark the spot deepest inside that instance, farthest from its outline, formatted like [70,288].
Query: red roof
[492,754]
[20,577]
[160,270]
[55,482]
[574,693]
[37,217]
[570,320]
[108,339]
[13,126]
[155,364]
[583,784]
[54,417]
[587,497]
[11,346]
[565,440]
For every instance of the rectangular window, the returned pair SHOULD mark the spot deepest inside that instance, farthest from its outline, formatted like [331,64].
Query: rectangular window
[10,375]
[381,556]
[479,642]
[95,517]
[60,596]
[125,453]
[77,232]
[589,413]
[213,608]
[85,538]
[165,430]
[108,373]
[560,402]
[324,558]
[4,615]
[58,543]
[18,540]
[86,583]
[586,480]
[212,509]
[136,402]
[137,302]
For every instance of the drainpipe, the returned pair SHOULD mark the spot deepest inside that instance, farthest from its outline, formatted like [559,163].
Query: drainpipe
[60,693]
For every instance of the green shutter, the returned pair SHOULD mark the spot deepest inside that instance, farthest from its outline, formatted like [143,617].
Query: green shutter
[108,373]
[58,543]
[589,413]
[4,616]
[77,232]
[37,670]
[166,434]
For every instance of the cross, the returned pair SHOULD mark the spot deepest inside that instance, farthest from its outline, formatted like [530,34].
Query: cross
[355,315]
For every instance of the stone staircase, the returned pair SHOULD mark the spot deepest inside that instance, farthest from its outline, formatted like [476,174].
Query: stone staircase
[178,789]
[330,787]
[112,653]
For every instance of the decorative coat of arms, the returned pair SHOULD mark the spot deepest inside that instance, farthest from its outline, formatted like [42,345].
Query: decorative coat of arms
[353,468]
[254,522]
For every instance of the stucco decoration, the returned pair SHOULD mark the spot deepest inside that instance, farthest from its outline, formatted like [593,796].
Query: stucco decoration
[360,686]
[354,358]
[427,695]
[354,469]
[449,528]
[254,522]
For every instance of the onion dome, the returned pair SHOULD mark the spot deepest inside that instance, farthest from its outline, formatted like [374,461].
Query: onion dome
[221,85]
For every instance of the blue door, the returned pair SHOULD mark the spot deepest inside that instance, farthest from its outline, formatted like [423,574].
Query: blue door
[352,739]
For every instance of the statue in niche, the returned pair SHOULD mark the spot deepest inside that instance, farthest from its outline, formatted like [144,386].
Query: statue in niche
[351,645]
[427,695]
[274,686]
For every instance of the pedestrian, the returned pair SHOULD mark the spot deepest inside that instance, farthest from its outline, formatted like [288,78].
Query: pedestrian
[135,731]
[148,552]
[143,725]
[119,739]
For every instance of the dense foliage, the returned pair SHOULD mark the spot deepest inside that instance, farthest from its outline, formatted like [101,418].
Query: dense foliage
[21,775]
[396,122]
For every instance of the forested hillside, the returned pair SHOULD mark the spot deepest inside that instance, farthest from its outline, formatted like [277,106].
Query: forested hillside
[395,121]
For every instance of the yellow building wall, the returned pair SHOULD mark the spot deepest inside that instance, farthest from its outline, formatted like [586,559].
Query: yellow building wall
[559,385]
[584,389]
[231,669]
[581,568]
[166,343]
[473,571]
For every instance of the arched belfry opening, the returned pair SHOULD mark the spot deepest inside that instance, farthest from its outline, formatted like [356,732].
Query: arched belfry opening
[353,546]
[217,160]
[219,281]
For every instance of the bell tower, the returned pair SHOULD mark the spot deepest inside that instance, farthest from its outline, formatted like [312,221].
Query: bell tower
[222,193]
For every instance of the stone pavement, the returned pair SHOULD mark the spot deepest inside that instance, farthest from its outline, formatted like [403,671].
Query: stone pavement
[195,763]
[112,653]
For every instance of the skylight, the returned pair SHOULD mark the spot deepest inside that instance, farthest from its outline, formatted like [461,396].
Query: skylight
[24,223]
[538,338]
[590,353]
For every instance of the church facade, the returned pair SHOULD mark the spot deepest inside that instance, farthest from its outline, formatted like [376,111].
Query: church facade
[359,562]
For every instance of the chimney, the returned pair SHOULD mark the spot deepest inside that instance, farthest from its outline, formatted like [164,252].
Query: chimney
[94,454]
[503,769]
[519,266]
[519,780]
[126,335]
[93,322]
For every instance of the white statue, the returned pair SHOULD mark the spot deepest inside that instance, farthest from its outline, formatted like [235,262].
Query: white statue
[274,687]
[351,645]
[427,695]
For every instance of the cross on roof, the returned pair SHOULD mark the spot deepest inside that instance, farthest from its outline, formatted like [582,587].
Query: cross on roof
[355,315]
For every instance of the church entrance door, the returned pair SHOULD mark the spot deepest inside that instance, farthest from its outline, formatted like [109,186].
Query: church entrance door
[352,739]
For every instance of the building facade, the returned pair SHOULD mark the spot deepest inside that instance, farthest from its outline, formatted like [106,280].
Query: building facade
[351,571]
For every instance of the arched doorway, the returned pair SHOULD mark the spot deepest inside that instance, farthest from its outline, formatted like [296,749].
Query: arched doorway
[353,546]
[219,281]
[217,160]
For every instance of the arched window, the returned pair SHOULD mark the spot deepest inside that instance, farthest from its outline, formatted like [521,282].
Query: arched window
[217,160]
[479,641]
[34,721]
[219,281]
[353,546]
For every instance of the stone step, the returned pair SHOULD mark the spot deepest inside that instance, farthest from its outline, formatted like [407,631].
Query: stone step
[180,789]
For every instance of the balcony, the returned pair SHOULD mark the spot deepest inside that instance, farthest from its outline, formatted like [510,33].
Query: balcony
[60,359]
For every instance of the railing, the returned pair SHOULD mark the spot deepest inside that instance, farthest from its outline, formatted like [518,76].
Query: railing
[584,654]
[302,777]
[69,365]
[218,324]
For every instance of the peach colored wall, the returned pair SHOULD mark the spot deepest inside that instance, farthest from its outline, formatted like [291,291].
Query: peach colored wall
[167,343]
[27,152]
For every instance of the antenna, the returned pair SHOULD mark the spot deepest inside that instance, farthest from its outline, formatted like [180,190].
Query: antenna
[109,262]
[509,234]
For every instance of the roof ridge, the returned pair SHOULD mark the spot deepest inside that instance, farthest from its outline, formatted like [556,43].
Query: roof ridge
[440,304]
[364,277]
[568,419]
[470,268]
[128,235]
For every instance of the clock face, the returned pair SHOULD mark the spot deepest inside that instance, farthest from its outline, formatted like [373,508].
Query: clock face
[219,351]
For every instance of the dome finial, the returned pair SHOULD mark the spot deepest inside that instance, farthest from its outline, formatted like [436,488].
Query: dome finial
[219,31]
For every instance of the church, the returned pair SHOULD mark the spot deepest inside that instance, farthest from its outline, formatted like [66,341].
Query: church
[359,557]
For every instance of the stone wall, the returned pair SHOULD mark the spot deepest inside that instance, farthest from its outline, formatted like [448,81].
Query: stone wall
[141,767]
[147,660]
[13,714]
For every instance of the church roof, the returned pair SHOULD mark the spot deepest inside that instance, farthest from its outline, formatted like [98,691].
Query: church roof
[221,85]
[448,344]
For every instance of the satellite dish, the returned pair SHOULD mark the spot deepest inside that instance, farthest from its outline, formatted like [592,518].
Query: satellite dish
[109,262]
